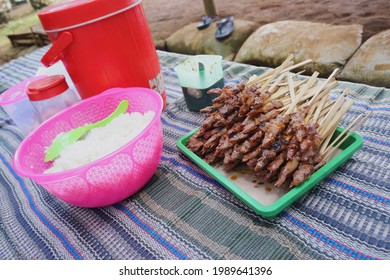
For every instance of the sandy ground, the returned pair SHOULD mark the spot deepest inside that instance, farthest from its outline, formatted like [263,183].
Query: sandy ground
[166,16]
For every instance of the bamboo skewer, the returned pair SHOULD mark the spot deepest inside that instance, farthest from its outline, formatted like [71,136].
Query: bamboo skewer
[319,108]
[325,110]
[326,147]
[292,94]
[333,149]
[314,105]
[290,66]
[323,85]
[335,120]
[312,92]
[328,137]
[266,75]
[293,76]
[282,91]
[309,83]
[297,65]
[253,80]
[277,72]
[336,105]
[277,82]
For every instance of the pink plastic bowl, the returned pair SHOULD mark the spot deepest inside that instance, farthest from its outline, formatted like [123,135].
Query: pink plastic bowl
[111,178]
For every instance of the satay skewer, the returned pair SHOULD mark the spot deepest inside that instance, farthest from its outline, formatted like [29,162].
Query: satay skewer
[282,92]
[323,85]
[270,75]
[293,75]
[276,83]
[277,72]
[305,99]
[327,138]
[292,95]
[340,100]
[336,119]
[314,105]
[324,111]
[309,83]
[285,131]
[319,108]
[288,67]
[333,146]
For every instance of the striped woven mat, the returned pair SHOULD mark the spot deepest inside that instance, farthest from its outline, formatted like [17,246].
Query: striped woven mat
[182,213]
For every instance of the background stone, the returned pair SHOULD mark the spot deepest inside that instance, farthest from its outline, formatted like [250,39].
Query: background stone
[371,63]
[190,40]
[329,46]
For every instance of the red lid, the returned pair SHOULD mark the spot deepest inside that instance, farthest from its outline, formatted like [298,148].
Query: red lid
[46,88]
[17,92]
[67,15]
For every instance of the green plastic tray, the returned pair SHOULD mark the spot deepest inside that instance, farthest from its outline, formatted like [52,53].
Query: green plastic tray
[346,150]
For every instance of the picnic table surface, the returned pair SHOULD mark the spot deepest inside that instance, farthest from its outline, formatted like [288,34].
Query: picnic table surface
[184,213]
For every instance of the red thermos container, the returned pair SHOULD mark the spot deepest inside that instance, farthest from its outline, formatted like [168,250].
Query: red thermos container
[102,44]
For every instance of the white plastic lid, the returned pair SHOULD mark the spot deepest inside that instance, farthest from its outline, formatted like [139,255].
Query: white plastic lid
[18,92]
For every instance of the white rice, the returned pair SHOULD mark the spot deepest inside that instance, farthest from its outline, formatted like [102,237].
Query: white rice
[101,141]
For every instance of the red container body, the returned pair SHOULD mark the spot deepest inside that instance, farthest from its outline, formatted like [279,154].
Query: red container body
[103,46]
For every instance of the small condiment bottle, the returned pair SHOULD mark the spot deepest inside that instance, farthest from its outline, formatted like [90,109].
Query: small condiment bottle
[51,95]
[16,104]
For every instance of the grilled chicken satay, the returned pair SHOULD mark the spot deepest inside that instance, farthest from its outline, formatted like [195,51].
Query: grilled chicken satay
[224,94]
[287,171]
[266,157]
[273,129]
[270,173]
[252,142]
[233,159]
[298,123]
[223,145]
[195,144]
[227,109]
[212,142]
[214,120]
[241,131]
[301,174]
[228,163]
[213,158]
[209,133]
[242,125]
[311,160]
[311,154]
[280,145]
[252,157]
[308,141]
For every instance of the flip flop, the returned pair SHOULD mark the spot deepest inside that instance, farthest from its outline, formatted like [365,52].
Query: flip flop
[224,28]
[206,21]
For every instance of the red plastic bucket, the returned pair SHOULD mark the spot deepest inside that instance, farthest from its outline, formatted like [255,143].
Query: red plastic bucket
[103,44]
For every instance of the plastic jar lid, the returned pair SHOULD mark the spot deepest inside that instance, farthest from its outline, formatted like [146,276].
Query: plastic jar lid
[17,92]
[74,13]
[47,87]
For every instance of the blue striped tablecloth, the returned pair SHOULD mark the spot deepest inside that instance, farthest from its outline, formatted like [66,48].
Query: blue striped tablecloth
[182,213]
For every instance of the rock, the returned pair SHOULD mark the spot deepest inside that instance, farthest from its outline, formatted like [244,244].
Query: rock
[160,44]
[371,63]
[329,46]
[190,40]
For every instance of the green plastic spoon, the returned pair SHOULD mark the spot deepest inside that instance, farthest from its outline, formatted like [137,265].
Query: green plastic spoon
[65,139]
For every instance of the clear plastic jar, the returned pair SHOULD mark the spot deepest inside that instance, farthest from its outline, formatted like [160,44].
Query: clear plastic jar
[51,95]
[15,103]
